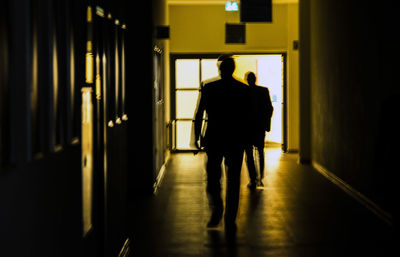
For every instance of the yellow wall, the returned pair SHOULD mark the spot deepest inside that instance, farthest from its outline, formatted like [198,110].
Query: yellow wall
[293,78]
[201,29]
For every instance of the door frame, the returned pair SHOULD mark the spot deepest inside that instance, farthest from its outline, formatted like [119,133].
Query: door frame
[174,57]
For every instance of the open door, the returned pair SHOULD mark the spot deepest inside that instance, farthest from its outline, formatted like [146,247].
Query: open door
[189,71]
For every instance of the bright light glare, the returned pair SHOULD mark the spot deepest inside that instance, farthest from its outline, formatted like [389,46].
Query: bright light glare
[186,102]
[231,6]
[183,132]
[187,73]
[270,75]
[268,69]
[209,69]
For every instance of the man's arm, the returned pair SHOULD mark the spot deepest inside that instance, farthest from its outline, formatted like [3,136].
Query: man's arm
[268,109]
[198,118]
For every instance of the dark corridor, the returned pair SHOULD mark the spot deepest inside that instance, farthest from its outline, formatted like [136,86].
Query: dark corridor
[85,163]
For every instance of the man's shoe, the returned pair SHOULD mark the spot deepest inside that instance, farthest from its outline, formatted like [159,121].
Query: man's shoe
[230,226]
[212,223]
[252,185]
[215,219]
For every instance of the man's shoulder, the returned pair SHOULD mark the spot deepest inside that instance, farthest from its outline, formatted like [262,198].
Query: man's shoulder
[262,89]
[210,81]
[222,83]
[241,84]
[209,85]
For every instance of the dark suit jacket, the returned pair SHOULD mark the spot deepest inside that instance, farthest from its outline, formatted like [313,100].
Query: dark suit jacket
[226,104]
[261,109]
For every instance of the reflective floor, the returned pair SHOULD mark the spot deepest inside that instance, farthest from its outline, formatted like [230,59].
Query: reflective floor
[297,213]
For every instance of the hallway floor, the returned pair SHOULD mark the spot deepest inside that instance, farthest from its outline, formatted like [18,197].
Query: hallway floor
[297,213]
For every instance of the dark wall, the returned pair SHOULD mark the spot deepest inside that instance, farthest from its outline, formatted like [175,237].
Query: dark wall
[140,98]
[352,87]
[40,172]
[41,207]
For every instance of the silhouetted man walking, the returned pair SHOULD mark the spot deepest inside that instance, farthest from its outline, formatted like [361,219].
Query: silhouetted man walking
[225,102]
[260,115]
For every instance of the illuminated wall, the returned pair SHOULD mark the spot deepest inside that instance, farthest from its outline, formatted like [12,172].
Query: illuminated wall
[201,29]
[204,31]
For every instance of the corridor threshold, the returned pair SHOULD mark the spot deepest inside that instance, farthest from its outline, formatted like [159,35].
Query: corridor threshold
[298,213]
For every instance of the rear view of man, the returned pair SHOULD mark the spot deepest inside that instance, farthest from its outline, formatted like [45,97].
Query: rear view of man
[260,115]
[225,103]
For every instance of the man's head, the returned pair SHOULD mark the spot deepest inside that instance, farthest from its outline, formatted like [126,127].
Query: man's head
[223,57]
[227,67]
[250,78]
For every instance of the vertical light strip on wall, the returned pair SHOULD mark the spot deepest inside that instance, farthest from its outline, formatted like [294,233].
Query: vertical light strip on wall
[108,68]
[87,132]
[117,118]
[87,159]
[89,47]
[72,86]
[124,115]
[100,13]
[56,129]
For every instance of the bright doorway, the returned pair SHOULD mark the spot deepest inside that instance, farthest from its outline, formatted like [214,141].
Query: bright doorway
[188,71]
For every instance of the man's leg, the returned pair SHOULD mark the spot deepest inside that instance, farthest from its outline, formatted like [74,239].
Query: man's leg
[261,162]
[233,163]
[260,157]
[251,167]
[213,167]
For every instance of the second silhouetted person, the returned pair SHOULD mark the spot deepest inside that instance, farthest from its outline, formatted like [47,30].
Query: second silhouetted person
[260,122]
